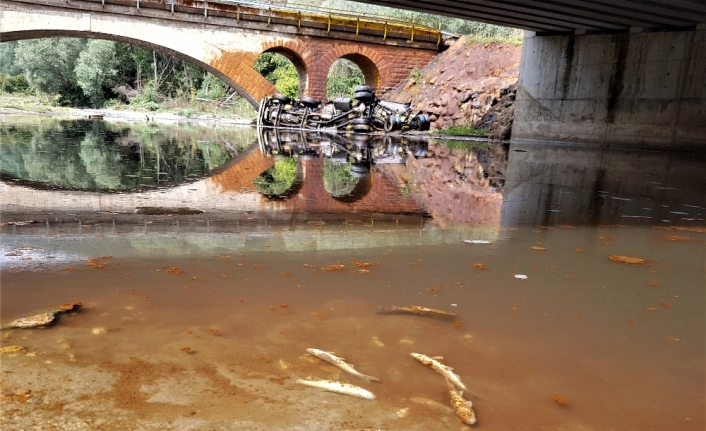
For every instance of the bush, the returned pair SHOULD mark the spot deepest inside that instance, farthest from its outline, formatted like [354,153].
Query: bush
[14,84]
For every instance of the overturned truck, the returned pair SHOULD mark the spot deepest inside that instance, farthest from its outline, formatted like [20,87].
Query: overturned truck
[364,113]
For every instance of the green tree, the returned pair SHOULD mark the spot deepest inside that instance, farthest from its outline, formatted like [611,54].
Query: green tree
[96,70]
[280,71]
[278,178]
[338,180]
[342,79]
[49,66]
[7,58]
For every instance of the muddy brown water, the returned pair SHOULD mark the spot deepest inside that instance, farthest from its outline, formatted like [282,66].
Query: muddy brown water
[202,321]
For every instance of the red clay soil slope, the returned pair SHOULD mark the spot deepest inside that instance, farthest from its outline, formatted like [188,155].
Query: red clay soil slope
[463,83]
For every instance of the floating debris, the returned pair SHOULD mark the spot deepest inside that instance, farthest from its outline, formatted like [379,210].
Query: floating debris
[476,241]
[462,408]
[401,413]
[676,238]
[337,387]
[479,266]
[560,400]
[166,211]
[337,267]
[98,331]
[365,264]
[521,276]
[625,259]
[442,369]
[378,342]
[416,310]
[42,319]
[538,248]
[11,349]
[341,363]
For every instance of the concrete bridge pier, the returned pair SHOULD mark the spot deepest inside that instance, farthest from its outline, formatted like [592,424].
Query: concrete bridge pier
[629,90]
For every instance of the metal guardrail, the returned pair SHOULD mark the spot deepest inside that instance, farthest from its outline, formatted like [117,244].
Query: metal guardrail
[273,14]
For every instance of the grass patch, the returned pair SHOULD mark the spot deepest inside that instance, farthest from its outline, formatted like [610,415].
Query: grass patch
[463,145]
[478,40]
[455,130]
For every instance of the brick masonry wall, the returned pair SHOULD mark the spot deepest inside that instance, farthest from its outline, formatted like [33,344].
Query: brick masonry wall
[227,52]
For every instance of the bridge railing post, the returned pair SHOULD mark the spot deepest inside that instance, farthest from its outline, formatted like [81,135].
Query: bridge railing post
[205,9]
[138,4]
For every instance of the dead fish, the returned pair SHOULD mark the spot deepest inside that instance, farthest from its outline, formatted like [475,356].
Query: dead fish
[462,408]
[340,363]
[42,319]
[337,387]
[442,369]
[416,310]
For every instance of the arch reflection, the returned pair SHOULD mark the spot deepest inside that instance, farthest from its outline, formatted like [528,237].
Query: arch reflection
[344,163]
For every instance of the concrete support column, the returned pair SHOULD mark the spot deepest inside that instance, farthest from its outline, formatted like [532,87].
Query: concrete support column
[633,90]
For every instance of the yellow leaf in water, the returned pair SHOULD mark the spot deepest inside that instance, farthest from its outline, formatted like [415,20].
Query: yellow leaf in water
[625,259]
[378,342]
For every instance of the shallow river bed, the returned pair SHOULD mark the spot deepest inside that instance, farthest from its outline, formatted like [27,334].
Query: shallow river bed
[625,340]
[208,260]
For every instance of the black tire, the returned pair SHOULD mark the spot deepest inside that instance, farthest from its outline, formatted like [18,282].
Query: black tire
[361,128]
[282,98]
[309,102]
[393,122]
[424,122]
[365,88]
[364,96]
[365,121]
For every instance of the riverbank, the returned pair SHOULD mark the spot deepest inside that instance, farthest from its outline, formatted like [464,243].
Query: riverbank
[20,104]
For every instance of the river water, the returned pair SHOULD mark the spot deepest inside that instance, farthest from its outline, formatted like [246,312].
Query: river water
[207,260]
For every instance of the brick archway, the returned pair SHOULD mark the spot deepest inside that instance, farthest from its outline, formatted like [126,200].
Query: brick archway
[371,74]
[296,52]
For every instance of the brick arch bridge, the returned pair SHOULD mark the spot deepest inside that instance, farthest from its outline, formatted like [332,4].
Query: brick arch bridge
[226,41]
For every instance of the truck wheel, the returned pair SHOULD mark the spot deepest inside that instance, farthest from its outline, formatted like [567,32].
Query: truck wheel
[282,98]
[309,102]
[365,88]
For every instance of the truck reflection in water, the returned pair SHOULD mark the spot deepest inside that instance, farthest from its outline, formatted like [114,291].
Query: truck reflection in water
[344,161]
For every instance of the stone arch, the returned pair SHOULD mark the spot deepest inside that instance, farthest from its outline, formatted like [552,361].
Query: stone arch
[228,57]
[297,53]
[371,74]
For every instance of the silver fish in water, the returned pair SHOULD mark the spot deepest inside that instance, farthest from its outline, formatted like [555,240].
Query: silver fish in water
[340,363]
[442,369]
[416,310]
[337,387]
[462,408]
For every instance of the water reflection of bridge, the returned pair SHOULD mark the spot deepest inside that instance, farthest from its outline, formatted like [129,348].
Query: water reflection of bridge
[374,192]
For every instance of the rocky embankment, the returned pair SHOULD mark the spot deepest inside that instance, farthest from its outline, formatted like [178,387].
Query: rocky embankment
[469,84]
